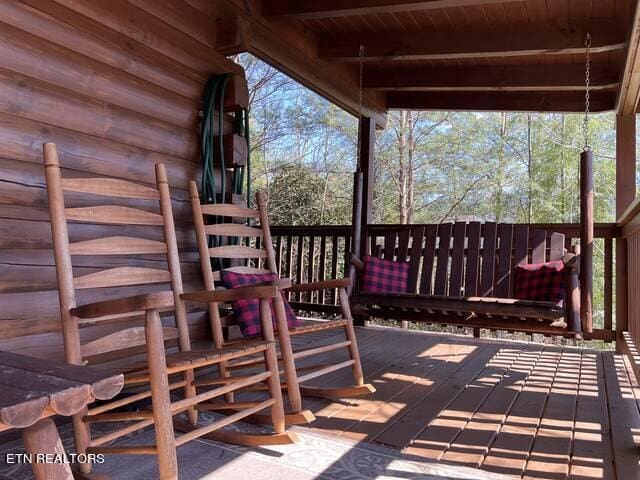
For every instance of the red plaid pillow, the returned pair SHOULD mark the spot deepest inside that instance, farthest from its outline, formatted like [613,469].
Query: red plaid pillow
[247,312]
[384,276]
[540,281]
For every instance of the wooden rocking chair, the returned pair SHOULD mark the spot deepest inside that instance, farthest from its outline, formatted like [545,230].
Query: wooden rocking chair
[150,378]
[265,255]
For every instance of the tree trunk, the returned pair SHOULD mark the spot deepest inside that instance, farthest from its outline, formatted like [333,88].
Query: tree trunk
[402,177]
[529,171]
[411,146]
[498,208]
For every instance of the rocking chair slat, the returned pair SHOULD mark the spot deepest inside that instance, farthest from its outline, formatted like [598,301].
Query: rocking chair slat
[111,187]
[118,246]
[113,215]
[122,276]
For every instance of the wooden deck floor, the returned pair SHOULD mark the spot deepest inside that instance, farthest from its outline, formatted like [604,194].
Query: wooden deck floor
[526,410]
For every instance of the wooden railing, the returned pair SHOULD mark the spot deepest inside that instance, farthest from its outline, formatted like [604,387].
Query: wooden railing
[629,225]
[312,253]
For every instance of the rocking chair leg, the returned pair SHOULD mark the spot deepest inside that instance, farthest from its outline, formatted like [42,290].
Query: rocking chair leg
[82,438]
[350,333]
[277,410]
[165,439]
[291,377]
[190,391]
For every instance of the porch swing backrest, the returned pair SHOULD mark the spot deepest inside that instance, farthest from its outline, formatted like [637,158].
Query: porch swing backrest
[469,259]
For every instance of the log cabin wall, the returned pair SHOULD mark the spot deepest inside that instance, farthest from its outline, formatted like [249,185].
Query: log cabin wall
[116,85]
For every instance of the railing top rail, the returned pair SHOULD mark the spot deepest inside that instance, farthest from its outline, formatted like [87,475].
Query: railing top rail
[601,230]
[630,213]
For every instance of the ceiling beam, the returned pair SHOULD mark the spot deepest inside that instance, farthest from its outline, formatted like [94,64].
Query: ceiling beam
[309,9]
[474,43]
[629,95]
[293,51]
[603,100]
[490,78]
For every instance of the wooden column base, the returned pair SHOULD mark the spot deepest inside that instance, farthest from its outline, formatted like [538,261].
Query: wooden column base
[43,438]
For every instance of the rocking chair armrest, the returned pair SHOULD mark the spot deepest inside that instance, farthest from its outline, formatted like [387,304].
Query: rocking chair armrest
[121,306]
[323,285]
[250,292]
[356,261]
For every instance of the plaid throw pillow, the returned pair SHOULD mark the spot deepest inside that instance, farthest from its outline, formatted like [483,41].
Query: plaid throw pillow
[540,281]
[247,312]
[384,276]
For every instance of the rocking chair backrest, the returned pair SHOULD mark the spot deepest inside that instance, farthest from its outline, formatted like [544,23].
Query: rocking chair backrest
[252,253]
[117,230]
[468,259]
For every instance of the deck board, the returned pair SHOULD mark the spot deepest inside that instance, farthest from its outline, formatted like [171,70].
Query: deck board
[524,410]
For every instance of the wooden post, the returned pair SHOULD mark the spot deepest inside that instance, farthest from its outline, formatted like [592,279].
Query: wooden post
[43,438]
[586,240]
[367,138]
[625,194]
[160,399]
[356,225]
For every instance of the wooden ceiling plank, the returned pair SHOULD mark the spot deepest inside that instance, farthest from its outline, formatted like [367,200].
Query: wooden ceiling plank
[501,101]
[340,8]
[629,94]
[493,78]
[507,41]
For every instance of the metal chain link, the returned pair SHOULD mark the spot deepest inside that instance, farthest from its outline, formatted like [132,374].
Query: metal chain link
[587,94]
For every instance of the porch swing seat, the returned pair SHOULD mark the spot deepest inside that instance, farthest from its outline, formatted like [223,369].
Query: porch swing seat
[462,274]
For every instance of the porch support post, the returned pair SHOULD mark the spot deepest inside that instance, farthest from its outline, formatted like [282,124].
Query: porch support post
[625,194]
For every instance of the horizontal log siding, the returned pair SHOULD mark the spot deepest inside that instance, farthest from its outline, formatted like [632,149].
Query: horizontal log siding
[116,85]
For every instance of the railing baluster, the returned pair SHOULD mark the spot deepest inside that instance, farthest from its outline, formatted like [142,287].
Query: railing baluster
[321,267]
[289,260]
[279,253]
[608,283]
[334,265]
[311,265]
[299,257]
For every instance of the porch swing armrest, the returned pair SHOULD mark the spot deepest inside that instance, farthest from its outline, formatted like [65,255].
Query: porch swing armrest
[356,261]
[571,260]
[323,285]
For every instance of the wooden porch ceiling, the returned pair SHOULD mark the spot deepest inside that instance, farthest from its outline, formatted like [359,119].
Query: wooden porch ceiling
[525,55]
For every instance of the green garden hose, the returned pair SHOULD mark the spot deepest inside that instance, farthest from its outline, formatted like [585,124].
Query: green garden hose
[213,152]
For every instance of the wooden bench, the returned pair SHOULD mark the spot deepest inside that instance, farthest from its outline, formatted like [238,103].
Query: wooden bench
[32,390]
[462,274]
